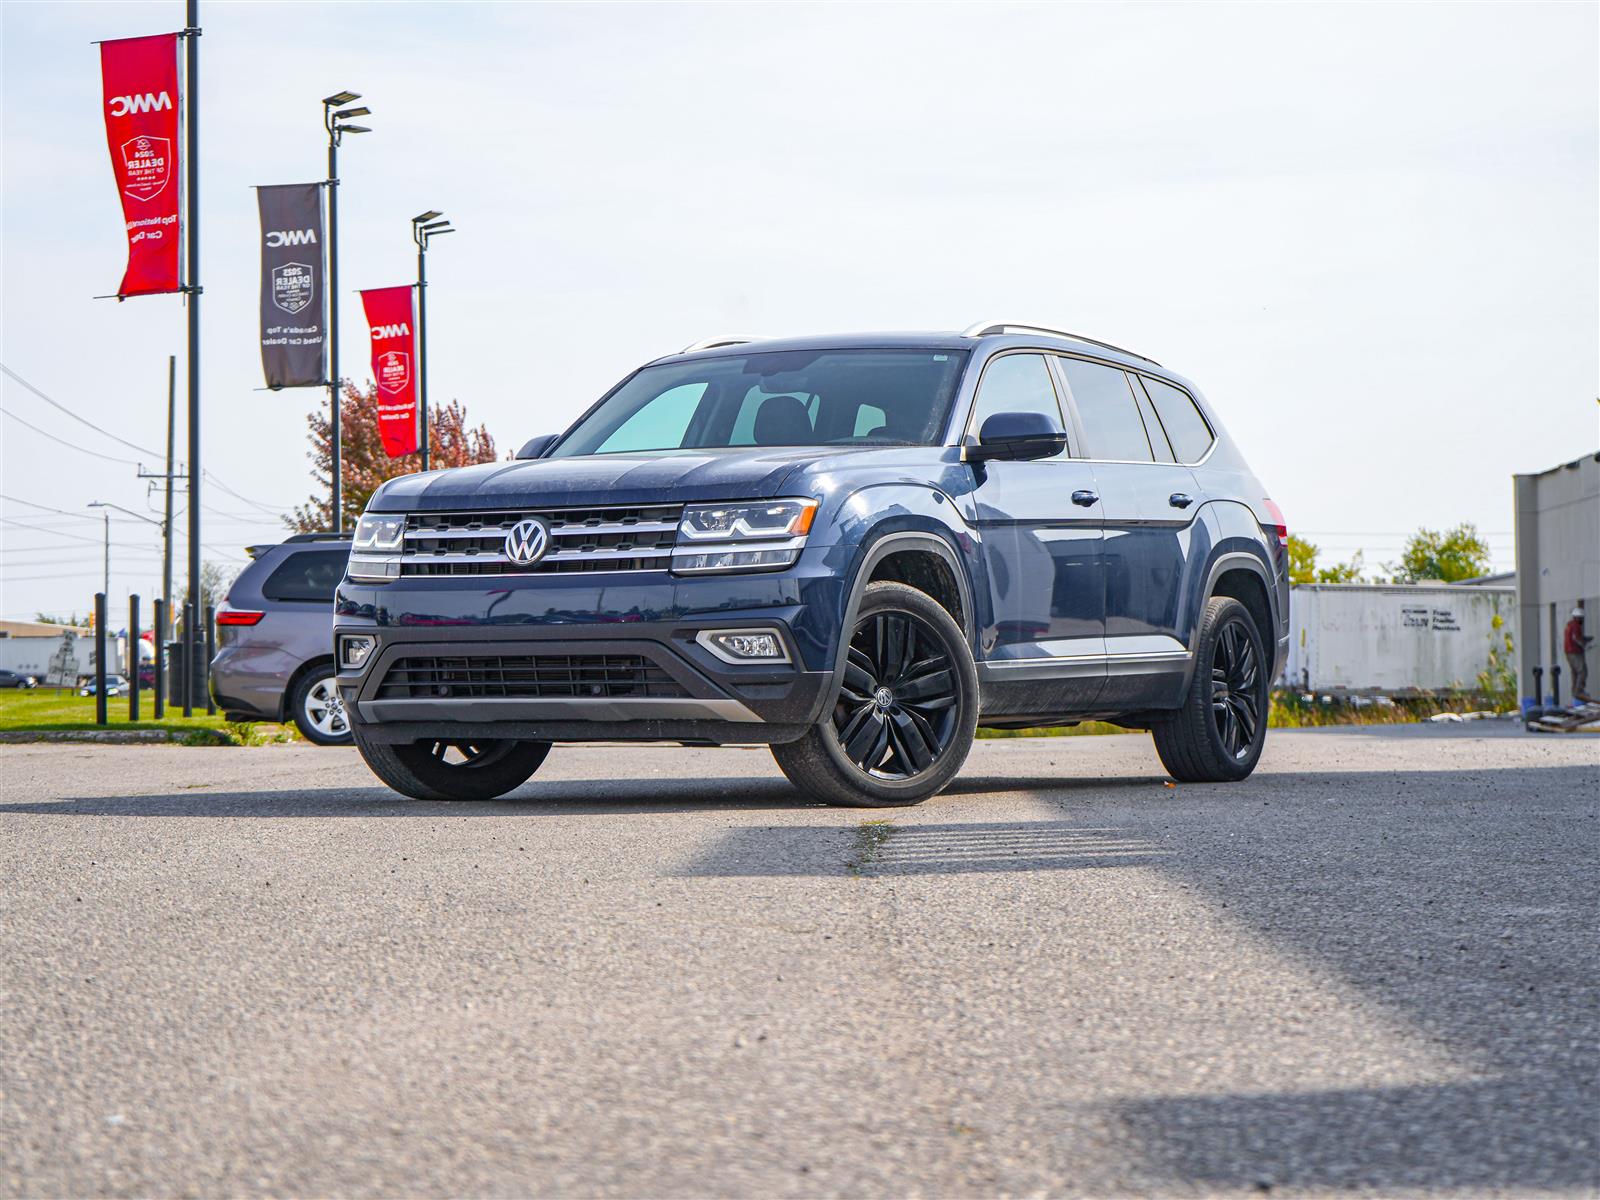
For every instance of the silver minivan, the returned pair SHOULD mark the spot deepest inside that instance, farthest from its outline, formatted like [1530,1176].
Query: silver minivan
[274,659]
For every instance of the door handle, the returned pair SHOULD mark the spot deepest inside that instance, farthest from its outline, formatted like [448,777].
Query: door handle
[1179,500]
[1085,497]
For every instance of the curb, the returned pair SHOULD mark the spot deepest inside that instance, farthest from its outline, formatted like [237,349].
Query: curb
[118,737]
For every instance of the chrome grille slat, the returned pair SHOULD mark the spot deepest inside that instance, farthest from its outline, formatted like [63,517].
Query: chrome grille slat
[636,537]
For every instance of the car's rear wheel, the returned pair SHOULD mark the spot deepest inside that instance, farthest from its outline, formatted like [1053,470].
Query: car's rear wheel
[318,709]
[1217,736]
[453,770]
[907,706]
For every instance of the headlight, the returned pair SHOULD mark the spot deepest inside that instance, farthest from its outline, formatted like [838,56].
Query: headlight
[379,532]
[375,549]
[761,535]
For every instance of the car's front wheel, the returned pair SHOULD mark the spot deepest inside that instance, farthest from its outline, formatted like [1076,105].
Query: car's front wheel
[1217,736]
[907,706]
[451,770]
[318,709]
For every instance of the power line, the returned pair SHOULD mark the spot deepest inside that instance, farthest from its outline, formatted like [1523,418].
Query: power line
[63,441]
[10,374]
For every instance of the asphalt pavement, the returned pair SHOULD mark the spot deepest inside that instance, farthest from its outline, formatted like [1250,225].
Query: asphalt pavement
[1371,969]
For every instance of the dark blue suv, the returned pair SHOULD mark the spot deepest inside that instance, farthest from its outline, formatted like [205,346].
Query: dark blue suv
[854,549]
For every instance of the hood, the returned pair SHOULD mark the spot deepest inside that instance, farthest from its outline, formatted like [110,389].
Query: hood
[657,478]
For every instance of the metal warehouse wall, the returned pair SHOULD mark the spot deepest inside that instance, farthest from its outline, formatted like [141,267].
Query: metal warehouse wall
[1393,639]
[1558,564]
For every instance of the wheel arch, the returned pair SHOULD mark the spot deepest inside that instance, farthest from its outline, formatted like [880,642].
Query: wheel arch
[1245,578]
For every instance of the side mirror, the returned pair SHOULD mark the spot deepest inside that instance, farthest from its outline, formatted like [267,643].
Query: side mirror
[535,447]
[1020,436]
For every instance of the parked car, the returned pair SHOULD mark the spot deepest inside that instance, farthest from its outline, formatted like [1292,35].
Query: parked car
[854,549]
[16,679]
[116,685]
[274,659]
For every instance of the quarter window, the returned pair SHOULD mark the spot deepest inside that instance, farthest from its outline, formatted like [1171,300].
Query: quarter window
[1186,428]
[1111,422]
[309,576]
[1015,383]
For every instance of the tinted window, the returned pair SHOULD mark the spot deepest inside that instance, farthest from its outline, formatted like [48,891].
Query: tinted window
[1105,404]
[310,575]
[1186,428]
[776,398]
[1015,383]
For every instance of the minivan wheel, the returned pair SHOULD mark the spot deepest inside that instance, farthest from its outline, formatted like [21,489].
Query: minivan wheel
[902,723]
[318,710]
[448,770]
[1216,737]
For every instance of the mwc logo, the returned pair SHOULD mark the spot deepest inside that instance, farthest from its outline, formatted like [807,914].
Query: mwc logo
[292,237]
[380,332]
[121,106]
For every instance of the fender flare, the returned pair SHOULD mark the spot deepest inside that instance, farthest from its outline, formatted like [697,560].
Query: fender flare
[875,552]
[1233,560]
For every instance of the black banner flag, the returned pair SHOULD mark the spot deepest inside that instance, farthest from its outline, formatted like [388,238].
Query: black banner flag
[294,344]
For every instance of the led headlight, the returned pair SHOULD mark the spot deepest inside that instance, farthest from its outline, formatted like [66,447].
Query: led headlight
[379,533]
[374,552]
[760,535]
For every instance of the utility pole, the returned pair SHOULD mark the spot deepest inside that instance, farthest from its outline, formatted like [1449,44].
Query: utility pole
[332,121]
[423,227]
[166,534]
[192,131]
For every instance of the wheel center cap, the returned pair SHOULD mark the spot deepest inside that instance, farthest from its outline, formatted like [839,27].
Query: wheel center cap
[883,698]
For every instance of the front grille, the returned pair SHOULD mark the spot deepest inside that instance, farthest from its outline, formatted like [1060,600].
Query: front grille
[613,538]
[526,676]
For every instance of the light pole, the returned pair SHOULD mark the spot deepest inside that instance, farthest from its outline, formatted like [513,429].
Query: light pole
[161,525]
[334,118]
[424,227]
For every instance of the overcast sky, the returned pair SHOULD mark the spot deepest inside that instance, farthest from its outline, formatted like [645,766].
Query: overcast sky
[1369,232]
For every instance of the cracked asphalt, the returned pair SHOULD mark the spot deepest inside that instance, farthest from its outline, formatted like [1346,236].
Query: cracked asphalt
[1370,969]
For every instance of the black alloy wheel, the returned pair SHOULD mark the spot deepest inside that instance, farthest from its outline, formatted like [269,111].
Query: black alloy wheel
[1218,734]
[1235,698]
[896,712]
[907,706]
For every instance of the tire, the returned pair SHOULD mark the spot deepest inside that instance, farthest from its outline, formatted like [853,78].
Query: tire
[876,750]
[1217,736]
[316,708]
[438,770]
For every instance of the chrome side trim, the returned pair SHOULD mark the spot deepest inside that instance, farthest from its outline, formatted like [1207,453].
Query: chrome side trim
[1142,656]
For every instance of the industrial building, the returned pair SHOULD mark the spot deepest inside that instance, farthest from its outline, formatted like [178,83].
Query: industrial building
[1558,566]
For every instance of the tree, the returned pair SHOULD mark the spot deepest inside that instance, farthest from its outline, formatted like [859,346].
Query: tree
[55,619]
[215,580]
[1456,554]
[1303,565]
[364,465]
[1302,560]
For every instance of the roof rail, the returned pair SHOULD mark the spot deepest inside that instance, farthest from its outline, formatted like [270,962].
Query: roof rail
[986,328]
[711,343]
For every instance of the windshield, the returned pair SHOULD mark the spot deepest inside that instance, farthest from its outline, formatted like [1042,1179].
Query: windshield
[784,398]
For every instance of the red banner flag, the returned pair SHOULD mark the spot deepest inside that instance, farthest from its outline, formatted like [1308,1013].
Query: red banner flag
[394,367]
[139,77]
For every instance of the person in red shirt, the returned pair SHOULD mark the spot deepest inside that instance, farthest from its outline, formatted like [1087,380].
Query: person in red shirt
[1576,646]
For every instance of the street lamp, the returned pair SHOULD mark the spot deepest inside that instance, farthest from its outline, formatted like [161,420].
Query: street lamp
[162,525]
[424,227]
[335,118]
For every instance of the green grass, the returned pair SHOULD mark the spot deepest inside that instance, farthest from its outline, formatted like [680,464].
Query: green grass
[49,710]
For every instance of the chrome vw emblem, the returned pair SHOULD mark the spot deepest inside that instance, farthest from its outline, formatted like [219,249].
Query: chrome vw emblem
[527,541]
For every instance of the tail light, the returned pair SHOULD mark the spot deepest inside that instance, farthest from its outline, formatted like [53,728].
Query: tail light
[1276,522]
[238,616]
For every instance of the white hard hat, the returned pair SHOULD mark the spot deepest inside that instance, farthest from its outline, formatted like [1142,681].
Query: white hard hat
[1578,612]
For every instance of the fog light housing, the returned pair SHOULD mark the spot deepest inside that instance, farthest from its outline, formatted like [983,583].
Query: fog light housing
[355,649]
[744,646]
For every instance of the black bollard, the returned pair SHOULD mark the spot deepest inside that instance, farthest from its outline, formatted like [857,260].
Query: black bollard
[100,640]
[161,658]
[133,658]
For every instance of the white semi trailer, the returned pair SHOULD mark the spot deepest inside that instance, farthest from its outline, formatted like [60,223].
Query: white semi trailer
[1396,639]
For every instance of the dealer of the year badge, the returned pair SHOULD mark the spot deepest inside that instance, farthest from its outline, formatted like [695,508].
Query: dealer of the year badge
[292,286]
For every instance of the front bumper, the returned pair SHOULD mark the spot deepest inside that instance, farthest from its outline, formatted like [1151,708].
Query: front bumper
[652,615]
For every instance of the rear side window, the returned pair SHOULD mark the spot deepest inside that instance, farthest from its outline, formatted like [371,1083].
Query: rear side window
[1111,422]
[309,576]
[1186,428]
[1015,383]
